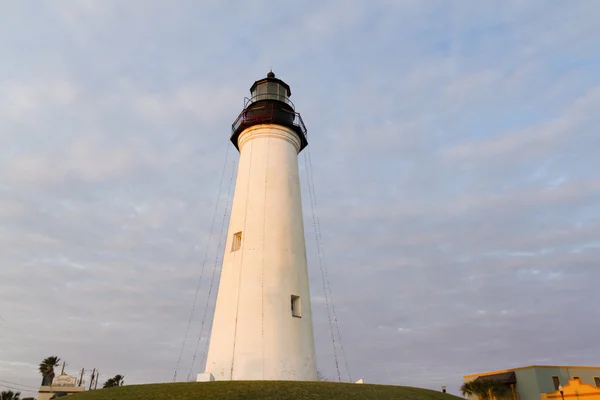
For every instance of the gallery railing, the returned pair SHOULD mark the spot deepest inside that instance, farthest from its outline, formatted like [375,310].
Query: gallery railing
[267,114]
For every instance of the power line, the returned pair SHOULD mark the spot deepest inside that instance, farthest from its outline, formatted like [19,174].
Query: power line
[18,384]
[18,389]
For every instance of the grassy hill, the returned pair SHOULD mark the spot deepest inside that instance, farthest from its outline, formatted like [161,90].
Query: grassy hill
[263,390]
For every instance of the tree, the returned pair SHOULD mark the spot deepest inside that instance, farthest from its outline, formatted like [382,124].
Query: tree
[47,369]
[473,388]
[484,389]
[109,383]
[496,389]
[116,380]
[10,395]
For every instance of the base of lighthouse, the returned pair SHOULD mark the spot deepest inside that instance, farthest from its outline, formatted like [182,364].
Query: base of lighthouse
[205,377]
[262,327]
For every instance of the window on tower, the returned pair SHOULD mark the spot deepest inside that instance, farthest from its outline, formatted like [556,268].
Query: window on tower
[237,241]
[260,93]
[296,307]
[272,89]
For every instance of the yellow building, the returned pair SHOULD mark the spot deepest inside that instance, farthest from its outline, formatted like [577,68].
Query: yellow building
[574,390]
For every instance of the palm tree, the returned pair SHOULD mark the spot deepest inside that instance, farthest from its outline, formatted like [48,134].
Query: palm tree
[47,369]
[496,389]
[116,380]
[474,388]
[10,395]
[119,380]
[484,389]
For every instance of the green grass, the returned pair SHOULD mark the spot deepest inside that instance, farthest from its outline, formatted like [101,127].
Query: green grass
[263,390]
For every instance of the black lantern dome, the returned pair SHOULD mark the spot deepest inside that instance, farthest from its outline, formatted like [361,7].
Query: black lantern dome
[269,103]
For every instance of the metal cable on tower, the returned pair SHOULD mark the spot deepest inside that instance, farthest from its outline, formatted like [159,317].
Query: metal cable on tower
[325,269]
[212,224]
[320,257]
[212,279]
[328,282]
[219,252]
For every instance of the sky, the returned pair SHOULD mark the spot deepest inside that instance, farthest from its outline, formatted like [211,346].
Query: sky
[454,148]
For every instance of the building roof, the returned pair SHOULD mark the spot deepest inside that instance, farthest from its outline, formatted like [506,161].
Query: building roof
[528,367]
[504,377]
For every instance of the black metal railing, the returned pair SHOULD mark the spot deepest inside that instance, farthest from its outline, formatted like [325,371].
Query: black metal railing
[268,114]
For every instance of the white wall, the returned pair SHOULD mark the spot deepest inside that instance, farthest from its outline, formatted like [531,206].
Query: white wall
[254,335]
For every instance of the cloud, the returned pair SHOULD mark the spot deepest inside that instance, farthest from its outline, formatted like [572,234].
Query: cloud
[578,119]
[21,100]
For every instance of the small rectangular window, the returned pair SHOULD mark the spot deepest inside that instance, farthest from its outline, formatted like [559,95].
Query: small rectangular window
[597,381]
[576,378]
[556,382]
[237,241]
[296,307]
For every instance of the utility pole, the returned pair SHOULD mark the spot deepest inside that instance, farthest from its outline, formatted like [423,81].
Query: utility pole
[62,372]
[96,384]
[81,377]
[92,378]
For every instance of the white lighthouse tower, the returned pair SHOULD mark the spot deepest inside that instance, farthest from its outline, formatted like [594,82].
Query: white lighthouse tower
[262,327]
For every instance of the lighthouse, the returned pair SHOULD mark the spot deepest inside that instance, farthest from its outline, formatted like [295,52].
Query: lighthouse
[262,327]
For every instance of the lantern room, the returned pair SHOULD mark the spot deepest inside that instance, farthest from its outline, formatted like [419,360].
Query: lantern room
[269,103]
[271,88]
